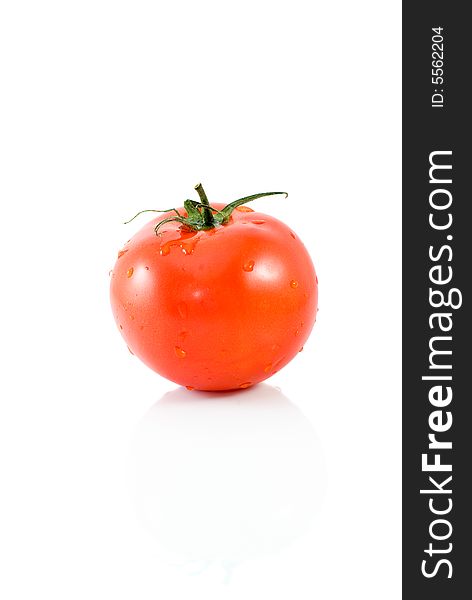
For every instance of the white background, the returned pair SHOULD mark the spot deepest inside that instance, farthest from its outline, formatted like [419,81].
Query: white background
[108,490]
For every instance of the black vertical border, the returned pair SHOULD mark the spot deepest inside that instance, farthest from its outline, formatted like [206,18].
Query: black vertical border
[426,129]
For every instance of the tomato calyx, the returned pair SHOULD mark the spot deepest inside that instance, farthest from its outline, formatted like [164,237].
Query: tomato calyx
[201,215]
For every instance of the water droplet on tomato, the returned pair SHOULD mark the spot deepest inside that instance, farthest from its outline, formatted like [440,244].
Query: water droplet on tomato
[147,268]
[244,209]
[180,353]
[294,284]
[182,308]
[189,387]
[248,266]
[187,248]
[293,235]
[267,368]
[243,386]
[129,272]
[258,221]
[121,252]
[186,242]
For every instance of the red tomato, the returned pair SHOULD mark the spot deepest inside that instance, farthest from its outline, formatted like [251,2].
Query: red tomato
[215,309]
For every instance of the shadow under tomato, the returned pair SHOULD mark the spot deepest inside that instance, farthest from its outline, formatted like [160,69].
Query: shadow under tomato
[224,477]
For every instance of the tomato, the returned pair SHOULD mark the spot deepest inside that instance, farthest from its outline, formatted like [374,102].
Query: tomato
[214,298]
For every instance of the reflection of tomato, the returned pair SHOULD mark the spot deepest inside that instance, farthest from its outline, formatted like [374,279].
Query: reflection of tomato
[215,308]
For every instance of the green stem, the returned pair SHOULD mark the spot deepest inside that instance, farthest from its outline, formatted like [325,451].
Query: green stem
[201,216]
[207,213]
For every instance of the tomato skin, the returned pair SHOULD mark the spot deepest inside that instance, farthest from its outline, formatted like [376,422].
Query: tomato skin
[218,309]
